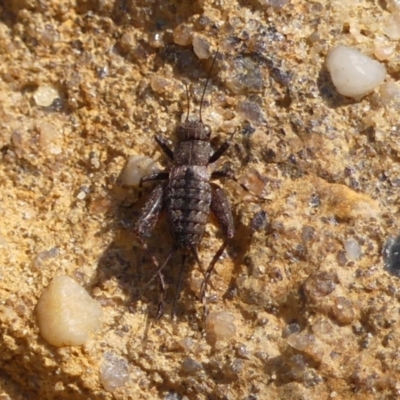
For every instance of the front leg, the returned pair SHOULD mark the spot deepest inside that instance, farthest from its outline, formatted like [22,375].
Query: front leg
[163,143]
[158,176]
[222,211]
[221,150]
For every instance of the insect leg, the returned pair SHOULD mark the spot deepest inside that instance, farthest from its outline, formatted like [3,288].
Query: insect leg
[163,143]
[178,289]
[160,307]
[223,174]
[221,150]
[199,263]
[152,177]
[222,210]
[145,224]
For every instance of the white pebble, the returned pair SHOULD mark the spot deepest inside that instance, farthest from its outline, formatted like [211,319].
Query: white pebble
[45,95]
[137,167]
[66,313]
[113,372]
[353,73]
[353,249]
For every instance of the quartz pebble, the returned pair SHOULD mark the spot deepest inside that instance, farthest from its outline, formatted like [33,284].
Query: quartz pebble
[137,167]
[51,139]
[201,47]
[44,96]
[353,249]
[66,313]
[308,344]
[353,73]
[113,372]
[220,325]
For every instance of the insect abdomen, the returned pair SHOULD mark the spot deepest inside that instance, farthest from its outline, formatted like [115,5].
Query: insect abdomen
[187,202]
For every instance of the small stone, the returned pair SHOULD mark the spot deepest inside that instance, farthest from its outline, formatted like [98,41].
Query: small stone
[391,255]
[50,139]
[220,326]
[201,47]
[308,344]
[44,96]
[183,35]
[353,249]
[113,372]
[137,167]
[383,49]
[393,5]
[260,221]
[391,27]
[250,111]
[190,366]
[160,84]
[275,4]
[353,73]
[81,195]
[244,76]
[343,311]
[66,313]
[320,284]
[390,94]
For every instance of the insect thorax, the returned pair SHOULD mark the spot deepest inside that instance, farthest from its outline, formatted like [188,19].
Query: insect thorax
[193,152]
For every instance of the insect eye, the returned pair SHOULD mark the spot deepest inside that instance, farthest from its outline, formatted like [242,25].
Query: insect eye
[207,130]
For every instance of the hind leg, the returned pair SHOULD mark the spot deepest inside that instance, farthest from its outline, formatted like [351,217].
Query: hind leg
[143,227]
[222,211]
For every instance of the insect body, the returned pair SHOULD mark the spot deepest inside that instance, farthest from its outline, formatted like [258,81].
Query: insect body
[187,197]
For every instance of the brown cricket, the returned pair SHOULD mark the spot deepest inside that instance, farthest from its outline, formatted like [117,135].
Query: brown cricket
[187,197]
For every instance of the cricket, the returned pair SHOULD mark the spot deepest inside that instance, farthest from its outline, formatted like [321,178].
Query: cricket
[187,195]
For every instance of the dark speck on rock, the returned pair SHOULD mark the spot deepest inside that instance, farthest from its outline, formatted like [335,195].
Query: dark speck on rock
[391,255]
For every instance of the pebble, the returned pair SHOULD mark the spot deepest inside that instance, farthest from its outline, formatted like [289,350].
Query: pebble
[308,344]
[44,96]
[250,111]
[353,73]
[137,167]
[50,139]
[391,255]
[275,4]
[201,47]
[390,94]
[244,76]
[66,313]
[343,311]
[220,326]
[391,28]
[320,284]
[353,249]
[114,372]
[183,35]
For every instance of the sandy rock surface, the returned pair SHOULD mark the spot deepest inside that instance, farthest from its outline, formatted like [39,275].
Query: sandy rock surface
[301,305]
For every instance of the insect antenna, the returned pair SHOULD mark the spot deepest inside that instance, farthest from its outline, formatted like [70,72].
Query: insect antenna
[205,86]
